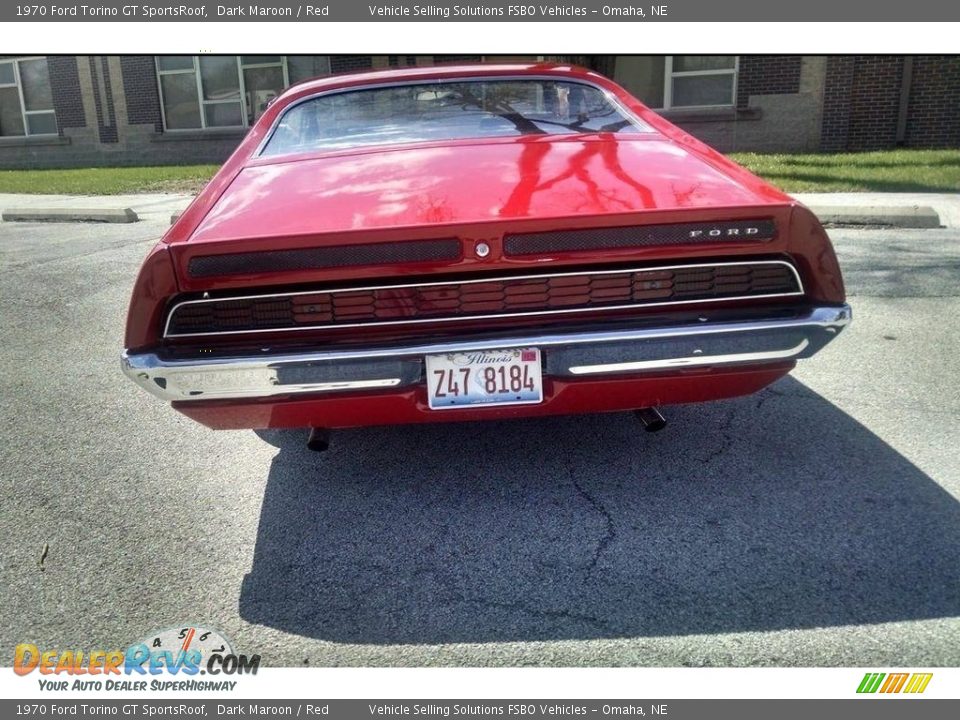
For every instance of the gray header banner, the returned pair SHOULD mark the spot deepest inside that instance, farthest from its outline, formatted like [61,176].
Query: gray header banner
[484,11]
[876,709]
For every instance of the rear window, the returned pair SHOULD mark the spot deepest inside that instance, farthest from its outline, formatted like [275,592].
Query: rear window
[447,111]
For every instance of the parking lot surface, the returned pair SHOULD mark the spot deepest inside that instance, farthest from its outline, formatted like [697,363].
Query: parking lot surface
[816,523]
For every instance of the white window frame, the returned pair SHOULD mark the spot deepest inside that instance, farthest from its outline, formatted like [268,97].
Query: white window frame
[669,75]
[18,83]
[241,66]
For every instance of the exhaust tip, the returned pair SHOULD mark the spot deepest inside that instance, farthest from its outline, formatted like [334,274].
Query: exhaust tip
[651,418]
[319,439]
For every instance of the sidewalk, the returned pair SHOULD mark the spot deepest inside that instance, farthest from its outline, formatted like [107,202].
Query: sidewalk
[156,206]
[147,206]
[946,205]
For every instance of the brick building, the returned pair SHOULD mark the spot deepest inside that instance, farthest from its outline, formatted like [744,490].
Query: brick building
[68,110]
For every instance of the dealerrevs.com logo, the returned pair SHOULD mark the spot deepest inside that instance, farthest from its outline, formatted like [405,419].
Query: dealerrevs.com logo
[888,683]
[150,664]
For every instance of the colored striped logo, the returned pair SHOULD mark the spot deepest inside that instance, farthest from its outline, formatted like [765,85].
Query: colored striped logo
[894,682]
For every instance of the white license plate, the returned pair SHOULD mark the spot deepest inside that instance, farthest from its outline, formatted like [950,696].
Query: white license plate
[484,377]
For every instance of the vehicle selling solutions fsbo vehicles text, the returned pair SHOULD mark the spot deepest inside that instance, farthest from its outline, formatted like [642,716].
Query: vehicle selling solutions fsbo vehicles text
[447,11]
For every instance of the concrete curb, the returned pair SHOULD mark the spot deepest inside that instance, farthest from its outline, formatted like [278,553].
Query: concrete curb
[98,215]
[914,216]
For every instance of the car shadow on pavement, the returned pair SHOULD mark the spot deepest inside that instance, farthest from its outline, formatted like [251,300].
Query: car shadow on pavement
[764,513]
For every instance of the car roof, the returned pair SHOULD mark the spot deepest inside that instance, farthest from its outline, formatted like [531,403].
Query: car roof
[245,156]
[559,71]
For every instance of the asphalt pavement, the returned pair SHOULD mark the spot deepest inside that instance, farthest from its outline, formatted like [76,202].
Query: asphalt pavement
[816,523]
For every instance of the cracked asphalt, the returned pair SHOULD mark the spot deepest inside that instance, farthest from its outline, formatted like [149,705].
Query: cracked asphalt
[816,523]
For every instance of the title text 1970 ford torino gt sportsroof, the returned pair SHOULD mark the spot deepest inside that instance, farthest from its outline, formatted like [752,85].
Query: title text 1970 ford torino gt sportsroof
[474,242]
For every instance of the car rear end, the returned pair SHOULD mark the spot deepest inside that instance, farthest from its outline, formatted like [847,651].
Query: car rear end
[473,280]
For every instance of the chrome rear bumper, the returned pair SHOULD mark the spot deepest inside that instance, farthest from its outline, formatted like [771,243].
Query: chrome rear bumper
[581,354]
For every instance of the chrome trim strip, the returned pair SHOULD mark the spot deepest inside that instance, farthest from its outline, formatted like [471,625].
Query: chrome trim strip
[268,386]
[275,374]
[641,125]
[465,318]
[694,361]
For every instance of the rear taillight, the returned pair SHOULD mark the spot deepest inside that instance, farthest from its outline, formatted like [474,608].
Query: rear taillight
[155,284]
[814,257]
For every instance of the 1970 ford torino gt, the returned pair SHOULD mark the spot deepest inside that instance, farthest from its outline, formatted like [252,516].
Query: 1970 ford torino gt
[475,242]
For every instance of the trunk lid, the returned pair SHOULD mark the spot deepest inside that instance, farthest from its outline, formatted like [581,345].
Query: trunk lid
[469,190]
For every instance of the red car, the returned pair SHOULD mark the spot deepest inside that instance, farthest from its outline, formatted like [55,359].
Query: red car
[469,243]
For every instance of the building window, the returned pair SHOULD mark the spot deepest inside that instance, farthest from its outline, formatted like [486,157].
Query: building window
[26,102]
[679,81]
[226,91]
[700,81]
[305,67]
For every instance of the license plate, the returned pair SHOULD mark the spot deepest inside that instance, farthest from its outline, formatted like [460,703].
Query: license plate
[484,377]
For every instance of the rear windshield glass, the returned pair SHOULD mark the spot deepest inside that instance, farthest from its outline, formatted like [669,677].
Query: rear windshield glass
[447,111]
